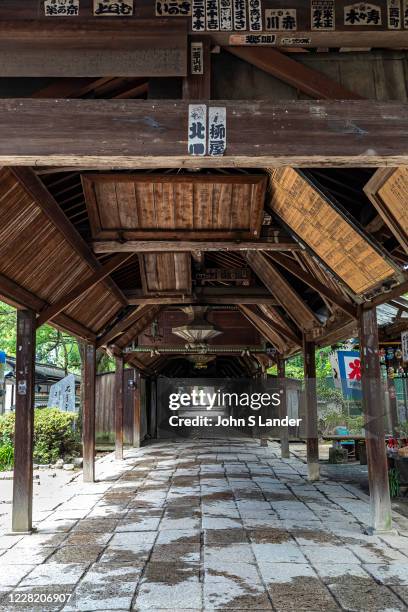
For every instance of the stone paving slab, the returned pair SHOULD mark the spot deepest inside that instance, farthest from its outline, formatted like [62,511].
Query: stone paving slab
[205,525]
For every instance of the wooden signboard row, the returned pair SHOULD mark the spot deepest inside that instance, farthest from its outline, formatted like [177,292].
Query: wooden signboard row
[229,15]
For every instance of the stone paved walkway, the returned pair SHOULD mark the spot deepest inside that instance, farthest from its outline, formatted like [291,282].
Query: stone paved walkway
[206,524]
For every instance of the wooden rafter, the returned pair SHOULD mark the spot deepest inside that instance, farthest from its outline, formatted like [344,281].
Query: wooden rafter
[132,332]
[50,312]
[264,329]
[260,133]
[283,331]
[305,79]
[206,295]
[279,287]
[123,324]
[315,284]
[49,206]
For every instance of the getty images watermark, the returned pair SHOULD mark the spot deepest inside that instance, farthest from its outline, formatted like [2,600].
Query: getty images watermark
[226,401]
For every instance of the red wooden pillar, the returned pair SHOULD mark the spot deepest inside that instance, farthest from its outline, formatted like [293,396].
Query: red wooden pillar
[88,413]
[24,428]
[374,412]
[284,431]
[119,377]
[137,410]
[312,440]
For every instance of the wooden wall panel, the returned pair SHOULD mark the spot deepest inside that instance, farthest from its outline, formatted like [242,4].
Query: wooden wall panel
[166,273]
[333,238]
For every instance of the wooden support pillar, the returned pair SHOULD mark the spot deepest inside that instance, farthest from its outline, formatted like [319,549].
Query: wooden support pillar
[312,440]
[88,412]
[24,427]
[284,431]
[374,422]
[119,376]
[137,409]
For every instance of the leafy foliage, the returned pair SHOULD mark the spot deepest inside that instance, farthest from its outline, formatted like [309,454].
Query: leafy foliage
[333,419]
[55,434]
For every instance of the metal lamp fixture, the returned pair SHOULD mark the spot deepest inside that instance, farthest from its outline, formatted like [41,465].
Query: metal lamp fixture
[198,331]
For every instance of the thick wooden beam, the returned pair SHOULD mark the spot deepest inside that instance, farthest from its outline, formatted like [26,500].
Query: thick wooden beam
[88,413]
[137,410]
[50,312]
[43,198]
[206,295]
[284,431]
[305,79]
[374,413]
[279,287]
[24,425]
[119,401]
[152,134]
[312,440]
[174,246]
[93,47]
[394,293]
[129,319]
[315,284]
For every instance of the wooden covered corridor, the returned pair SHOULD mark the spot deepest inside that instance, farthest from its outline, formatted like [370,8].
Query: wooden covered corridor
[115,230]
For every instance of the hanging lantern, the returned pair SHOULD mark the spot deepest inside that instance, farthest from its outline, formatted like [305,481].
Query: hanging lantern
[390,372]
[398,354]
[401,371]
[390,354]
[382,355]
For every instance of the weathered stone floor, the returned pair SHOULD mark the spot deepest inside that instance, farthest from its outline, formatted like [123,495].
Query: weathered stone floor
[204,525]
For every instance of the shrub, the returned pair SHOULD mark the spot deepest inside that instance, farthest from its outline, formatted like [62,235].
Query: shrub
[333,419]
[55,434]
[6,454]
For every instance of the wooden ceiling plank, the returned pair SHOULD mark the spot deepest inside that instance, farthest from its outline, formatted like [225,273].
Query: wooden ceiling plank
[260,133]
[288,298]
[315,284]
[50,312]
[49,206]
[294,73]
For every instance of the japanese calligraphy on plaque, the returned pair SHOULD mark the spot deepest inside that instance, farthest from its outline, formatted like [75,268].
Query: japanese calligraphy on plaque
[405,14]
[198,16]
[197,129]
[173,8]
[225,15]
[109,8]
[394,16]
[240,18]
[280,20]
[217,130]
[197,58]
[252,39]
[362,14]
[61,8]
[255,16]
[322,15]
[212,15]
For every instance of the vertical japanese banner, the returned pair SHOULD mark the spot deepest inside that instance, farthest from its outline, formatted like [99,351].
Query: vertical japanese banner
[322,15]
[197,129]
[217,130]
[226,15]
[240,17]
[255,15]
[404,346]
[212,15]
[394,19]
[197,58]
[198,16]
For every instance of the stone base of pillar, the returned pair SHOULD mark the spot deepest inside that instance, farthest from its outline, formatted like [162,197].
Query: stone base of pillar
[313,470]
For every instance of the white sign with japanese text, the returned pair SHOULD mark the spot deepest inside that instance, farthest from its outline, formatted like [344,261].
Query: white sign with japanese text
[197,129]
[217,130]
